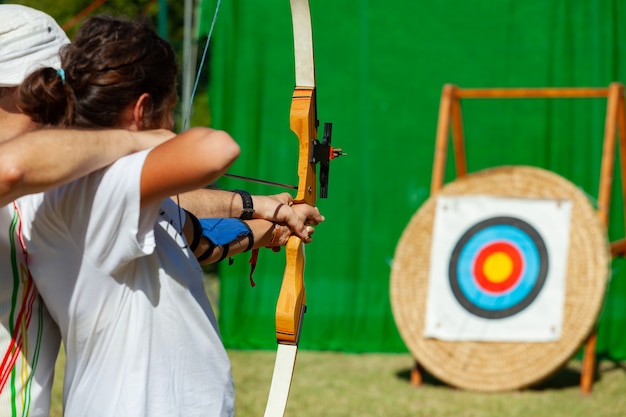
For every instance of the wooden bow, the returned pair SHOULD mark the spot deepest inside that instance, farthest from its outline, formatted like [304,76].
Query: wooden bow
[291,305]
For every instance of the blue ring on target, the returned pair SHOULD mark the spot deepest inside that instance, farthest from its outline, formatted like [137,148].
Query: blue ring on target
[524,287]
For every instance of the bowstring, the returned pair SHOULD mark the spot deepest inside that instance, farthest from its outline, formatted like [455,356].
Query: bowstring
[193,93]
[202,60]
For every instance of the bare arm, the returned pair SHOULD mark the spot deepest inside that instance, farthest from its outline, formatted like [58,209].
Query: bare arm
[276,208]
[210,203]
[189,161]
[47,158]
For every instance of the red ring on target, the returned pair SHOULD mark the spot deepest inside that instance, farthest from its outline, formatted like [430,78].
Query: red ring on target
[507,275]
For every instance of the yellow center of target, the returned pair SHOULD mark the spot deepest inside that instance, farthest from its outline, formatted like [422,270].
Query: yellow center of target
[498,266]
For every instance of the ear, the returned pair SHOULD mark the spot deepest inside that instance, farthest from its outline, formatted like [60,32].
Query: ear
[138,112]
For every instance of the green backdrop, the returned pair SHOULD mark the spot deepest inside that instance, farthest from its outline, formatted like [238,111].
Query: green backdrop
[380,70]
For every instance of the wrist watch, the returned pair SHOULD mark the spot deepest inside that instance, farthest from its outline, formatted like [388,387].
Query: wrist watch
[248,208]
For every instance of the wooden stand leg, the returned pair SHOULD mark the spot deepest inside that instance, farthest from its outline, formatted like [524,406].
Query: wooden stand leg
[588,371]
[416,375]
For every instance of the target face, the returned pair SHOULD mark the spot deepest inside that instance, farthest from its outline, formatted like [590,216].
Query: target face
[498,267]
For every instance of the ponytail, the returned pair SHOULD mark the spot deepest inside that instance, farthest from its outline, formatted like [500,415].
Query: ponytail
[42,96]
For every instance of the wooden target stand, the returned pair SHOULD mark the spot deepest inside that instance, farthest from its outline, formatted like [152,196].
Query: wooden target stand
[615,125]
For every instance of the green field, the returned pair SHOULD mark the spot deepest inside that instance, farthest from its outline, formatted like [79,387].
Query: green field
[377,385]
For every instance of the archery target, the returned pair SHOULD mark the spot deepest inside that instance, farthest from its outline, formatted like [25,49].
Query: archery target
[497,269]
[505,365]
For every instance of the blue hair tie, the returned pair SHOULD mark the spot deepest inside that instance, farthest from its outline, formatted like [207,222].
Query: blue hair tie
[61,73]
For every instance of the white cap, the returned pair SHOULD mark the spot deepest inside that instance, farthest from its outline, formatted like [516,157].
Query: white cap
[29,39]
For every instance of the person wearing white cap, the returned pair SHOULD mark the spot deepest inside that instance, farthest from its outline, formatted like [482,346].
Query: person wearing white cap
[31,163]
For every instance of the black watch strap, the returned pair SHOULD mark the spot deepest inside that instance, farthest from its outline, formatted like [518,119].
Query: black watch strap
[248,208]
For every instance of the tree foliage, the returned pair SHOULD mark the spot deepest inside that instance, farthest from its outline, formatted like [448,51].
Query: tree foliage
[64,12]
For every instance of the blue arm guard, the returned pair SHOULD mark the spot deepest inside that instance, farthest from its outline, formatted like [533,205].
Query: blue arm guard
[223,231]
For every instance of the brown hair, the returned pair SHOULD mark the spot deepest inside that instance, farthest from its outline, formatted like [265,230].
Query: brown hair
[110,63]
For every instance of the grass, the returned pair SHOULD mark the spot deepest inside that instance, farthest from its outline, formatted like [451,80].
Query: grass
[377,385]
[332,384]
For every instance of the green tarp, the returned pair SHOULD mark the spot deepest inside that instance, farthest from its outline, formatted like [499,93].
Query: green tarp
[381,67]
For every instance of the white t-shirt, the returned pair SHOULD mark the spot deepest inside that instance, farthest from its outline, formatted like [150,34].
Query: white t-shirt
[139,334]
[29,339]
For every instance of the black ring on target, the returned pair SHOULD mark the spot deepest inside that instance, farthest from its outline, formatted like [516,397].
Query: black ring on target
[534,253]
